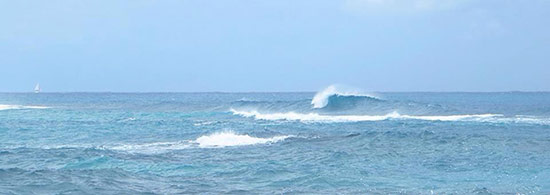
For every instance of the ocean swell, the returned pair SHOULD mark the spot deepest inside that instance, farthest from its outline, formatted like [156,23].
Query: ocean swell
[323,98]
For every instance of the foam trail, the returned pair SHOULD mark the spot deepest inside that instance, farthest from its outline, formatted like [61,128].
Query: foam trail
[150,148]
[17,107]
[520,119]
[314,117]
[451,117]
[229,138]
[321,99]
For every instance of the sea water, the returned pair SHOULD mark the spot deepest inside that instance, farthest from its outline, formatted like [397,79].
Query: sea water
[329,142]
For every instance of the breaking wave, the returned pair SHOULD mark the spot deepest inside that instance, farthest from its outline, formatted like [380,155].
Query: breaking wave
[17,107]
[315,117]
[332,93]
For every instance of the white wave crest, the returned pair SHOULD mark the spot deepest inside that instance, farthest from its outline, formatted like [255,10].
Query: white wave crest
[17,107]
[229,138]
[315,117]
[311,117]
[321,99]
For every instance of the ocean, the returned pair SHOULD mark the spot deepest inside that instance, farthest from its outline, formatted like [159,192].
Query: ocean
[330,142]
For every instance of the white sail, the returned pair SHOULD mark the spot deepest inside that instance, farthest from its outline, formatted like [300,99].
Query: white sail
[37,88]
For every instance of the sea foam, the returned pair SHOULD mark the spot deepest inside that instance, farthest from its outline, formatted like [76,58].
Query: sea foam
[321,99]
[154,147]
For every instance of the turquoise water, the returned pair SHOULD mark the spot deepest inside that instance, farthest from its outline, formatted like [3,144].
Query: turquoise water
[332,142]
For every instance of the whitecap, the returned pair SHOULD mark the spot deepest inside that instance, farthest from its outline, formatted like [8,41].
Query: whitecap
[230,138]
[214,140]
[310,117]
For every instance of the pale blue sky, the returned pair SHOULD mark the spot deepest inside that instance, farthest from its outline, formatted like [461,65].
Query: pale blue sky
[275,45]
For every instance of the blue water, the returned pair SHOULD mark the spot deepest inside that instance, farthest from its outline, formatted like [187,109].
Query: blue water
[168,143]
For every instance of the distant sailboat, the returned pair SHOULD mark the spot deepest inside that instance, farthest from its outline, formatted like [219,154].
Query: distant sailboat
[37,88]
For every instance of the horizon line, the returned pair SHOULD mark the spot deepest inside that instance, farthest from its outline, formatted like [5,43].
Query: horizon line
[51,92]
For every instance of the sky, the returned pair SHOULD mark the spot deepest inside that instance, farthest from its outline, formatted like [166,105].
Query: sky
[282,45]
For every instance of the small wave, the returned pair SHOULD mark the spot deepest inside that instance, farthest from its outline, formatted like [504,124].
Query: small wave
[127,119]
[215,140]
[322,98]
[18,107]
[315,117]
[204,123]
